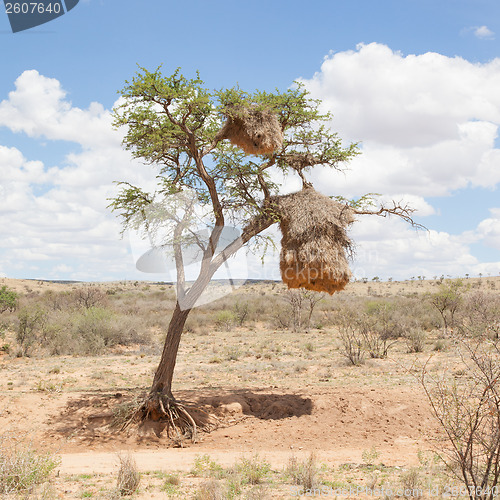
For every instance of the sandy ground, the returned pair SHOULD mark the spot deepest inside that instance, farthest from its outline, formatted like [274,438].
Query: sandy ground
[338,424]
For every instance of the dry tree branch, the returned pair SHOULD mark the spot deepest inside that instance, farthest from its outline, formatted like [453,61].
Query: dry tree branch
[403,211]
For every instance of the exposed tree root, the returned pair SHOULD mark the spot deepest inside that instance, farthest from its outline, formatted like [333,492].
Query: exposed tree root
[182,420]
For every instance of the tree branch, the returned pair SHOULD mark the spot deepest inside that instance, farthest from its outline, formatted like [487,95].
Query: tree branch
[403,211]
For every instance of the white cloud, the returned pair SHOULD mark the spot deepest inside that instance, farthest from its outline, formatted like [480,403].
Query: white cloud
[65,224]
[489,229]
[38,107]
[427,123]
[484,32]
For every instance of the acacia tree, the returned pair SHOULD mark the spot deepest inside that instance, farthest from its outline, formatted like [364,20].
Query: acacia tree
[174,123]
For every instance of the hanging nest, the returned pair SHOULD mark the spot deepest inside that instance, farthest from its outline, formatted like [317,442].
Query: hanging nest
[314,245]
[299,161]
[255,131]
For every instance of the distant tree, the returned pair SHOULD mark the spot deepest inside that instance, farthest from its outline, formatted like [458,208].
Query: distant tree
[447,300]
[175,123]
[8,299]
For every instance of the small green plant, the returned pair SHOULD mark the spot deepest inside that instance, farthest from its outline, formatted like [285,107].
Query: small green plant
[171,484]
[309,346]
[173,479]
[204,466]
[371,456]
[225,320]
[253,470]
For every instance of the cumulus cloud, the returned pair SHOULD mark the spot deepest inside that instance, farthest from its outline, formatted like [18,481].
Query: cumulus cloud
[428,126]
[55,221]
[484,32]
[427,123]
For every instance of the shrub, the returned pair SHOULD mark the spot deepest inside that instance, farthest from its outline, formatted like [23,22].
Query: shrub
[210,490]
[411,483]
[415,340]
[305,473]
[467,409]
[225,320]
[31,321]
[128,476]
[240,313]
[8,299]
[23,469]
[253,470]
[351,338]
[204,466]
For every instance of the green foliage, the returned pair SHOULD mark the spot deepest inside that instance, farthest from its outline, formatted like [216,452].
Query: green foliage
[21,469]
[253,470]
[224,320]
[174,121]
[204,466]
[31,322]
[448,299]
[8,299]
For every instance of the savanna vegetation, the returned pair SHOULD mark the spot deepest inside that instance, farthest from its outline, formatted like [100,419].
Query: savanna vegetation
[435,336]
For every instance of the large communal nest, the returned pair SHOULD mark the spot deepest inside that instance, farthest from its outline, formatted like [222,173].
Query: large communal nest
[256,131]
[314,245]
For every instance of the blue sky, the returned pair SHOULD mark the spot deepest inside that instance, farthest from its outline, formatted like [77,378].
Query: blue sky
[416,82]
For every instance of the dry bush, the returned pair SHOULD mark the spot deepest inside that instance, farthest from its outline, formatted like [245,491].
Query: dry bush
[411,483]
[304,473]
[31,321]
[88,296]
[468,410]
[129,477]
[210,490]
[481,313]
[352,341]
[22,468]
[415,341]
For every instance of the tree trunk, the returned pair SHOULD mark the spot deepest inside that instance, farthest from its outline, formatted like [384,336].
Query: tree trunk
[162,382]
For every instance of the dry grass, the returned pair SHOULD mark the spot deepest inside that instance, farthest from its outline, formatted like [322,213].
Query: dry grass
[314,244]
[22,469]
[129,477]
[256,131]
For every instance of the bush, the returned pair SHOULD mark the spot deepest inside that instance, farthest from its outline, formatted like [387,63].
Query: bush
[21,470]
[467,409]
[8,299]
[305,474]
[254,470]
[128,476]
[225,320]
[31,322]
[415,341]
